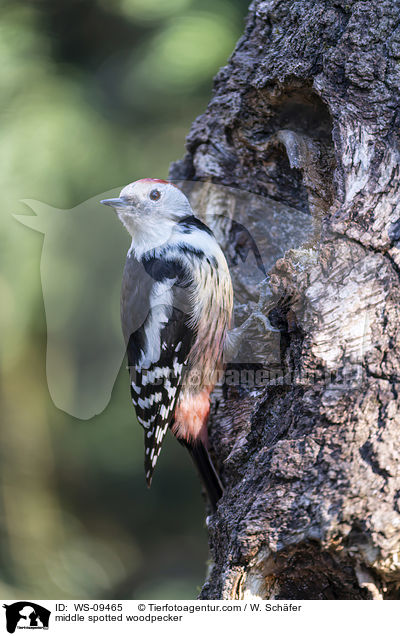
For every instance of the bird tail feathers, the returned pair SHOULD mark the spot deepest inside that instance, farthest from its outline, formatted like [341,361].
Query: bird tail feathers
[206,470]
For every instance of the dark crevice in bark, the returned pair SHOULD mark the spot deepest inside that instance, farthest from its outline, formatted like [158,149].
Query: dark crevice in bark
[311,573]
[367,454]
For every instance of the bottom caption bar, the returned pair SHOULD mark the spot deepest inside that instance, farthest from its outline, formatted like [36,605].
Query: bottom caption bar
[125,617]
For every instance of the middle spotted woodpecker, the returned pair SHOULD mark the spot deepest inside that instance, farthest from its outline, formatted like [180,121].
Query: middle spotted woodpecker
[176,309]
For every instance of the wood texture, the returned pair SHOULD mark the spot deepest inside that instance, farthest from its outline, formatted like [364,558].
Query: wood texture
[305,117]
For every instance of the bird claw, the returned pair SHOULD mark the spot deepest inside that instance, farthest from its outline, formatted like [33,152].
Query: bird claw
[264,305]
[258,315]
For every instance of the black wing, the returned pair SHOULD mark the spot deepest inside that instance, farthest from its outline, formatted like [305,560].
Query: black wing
[156,383]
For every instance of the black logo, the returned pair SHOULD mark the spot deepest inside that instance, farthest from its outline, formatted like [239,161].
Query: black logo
[26,615]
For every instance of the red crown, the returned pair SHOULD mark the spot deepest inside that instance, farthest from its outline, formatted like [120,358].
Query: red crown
[158,181]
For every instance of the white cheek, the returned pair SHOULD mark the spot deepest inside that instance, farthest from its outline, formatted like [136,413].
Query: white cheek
[127,220]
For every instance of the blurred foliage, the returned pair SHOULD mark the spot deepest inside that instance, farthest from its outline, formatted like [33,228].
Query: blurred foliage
[95,94]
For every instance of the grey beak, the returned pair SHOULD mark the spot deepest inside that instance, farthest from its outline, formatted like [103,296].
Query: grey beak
[115,203]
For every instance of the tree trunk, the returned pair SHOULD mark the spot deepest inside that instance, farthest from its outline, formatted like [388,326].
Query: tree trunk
[305,118]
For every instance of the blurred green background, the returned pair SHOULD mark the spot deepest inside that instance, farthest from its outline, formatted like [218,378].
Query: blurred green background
[94,94]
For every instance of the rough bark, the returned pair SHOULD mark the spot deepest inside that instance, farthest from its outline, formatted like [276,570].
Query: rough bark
[306,115]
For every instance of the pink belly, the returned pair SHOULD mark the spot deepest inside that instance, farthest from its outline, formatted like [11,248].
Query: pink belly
[191,416]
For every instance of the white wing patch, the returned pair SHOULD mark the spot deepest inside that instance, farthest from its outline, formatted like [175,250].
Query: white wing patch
[160,308]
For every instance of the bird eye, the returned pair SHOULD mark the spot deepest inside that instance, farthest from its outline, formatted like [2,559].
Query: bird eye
[155,195]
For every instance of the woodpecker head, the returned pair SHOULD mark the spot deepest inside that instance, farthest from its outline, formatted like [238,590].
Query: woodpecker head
[149,209]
